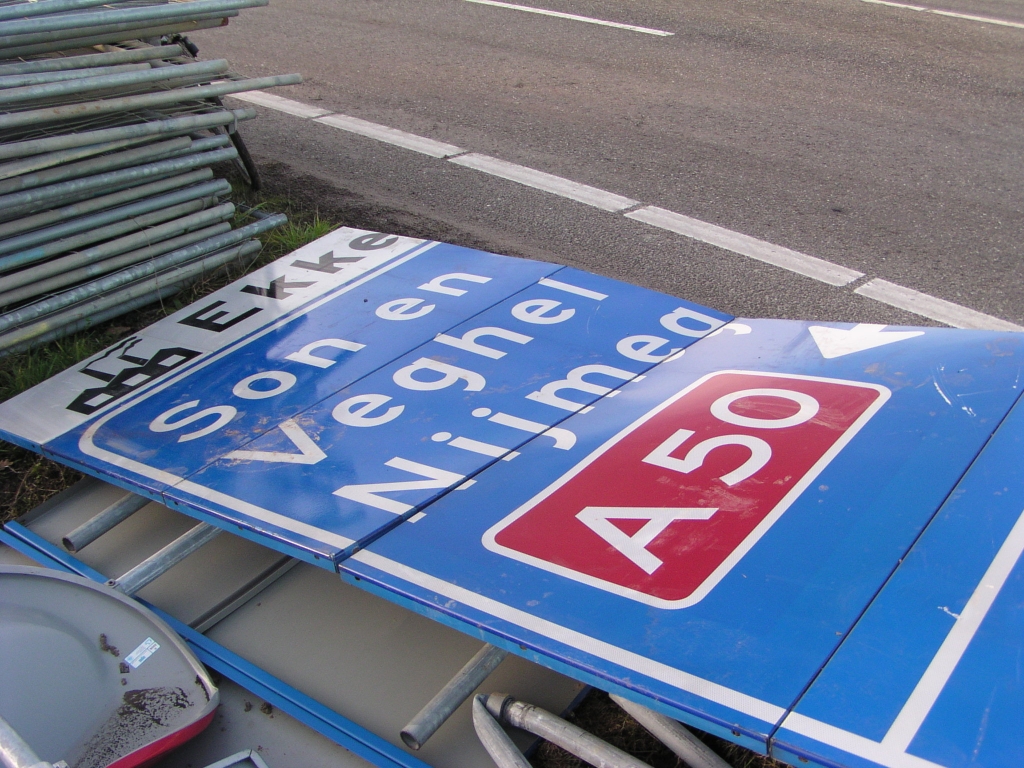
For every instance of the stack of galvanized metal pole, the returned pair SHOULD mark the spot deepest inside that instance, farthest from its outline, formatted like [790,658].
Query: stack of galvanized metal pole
[108,130]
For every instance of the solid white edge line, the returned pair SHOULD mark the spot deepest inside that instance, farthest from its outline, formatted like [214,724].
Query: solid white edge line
[574,17]
[581,193]
[983,19]
[896,5]
[809,266]
[280,103]
[953,14]
[394,136]
[906,725]
[801,263]
[929,306]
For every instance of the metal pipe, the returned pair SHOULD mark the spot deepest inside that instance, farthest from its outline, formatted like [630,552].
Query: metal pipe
[28,223]
[112,282]
[51,159]
[110,162]
[95,38]
[78,195]
[448,699]
[211,142]
[100,26]
[100,310]
[14,752]
[43,78]
[109,239]
[96,269]
[124,103]
[89,271]
[147,229]
[135,233]
[96,526]
[673,735]
[180,81]
[159,563]
[16,245]
[574,740]
[92,59]
[94,319]
[171,125]
[103,82]
[17,204]
[146,13]
[21,174]
[499,746]
[20,10]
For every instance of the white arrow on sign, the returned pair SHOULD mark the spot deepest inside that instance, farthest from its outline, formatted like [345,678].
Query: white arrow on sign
[310,452]
[836,342]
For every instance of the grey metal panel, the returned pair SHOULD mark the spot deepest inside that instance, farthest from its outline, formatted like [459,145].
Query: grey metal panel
[368,659]
[186,591]
[374,662]
[10,556]
[69,670]
[280,740]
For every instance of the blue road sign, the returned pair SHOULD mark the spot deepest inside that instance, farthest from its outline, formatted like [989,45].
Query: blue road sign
[408,378]
[718,527]
[930,675]
[737,523]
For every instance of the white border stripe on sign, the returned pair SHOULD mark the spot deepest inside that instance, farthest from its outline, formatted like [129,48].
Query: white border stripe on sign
[801,263]
[574,17]
[906,725]
[890,752]
[741,702]
[928,306]
[953,14]
[394,136]
[581,193]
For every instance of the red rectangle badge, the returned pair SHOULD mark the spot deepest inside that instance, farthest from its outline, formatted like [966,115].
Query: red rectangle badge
[663,510]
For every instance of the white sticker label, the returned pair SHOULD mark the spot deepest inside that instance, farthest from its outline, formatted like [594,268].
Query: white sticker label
[147,648]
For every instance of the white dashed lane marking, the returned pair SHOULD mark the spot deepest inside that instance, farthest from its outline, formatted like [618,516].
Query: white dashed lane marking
[288,106]
[800,263]
[929,306]
[394,136]
[953,14]
[556,185]
[574,17]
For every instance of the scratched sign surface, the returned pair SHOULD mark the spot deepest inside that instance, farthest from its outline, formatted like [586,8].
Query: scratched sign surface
[336,392]
[671,542]
[728,520]
[717,528]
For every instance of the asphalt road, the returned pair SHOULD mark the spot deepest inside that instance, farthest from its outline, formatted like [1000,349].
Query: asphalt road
[882,139]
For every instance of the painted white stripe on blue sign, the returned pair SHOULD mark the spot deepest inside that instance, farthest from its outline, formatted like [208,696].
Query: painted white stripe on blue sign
[920,703]
[762,710]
